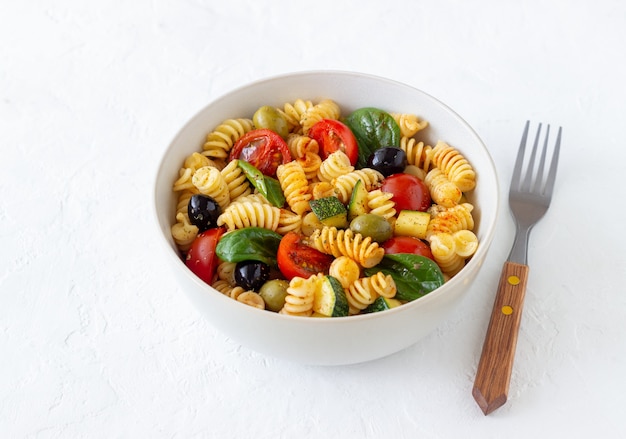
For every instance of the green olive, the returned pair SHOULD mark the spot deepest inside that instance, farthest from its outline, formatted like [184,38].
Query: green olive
[269,117]
[372,225]
[274,292]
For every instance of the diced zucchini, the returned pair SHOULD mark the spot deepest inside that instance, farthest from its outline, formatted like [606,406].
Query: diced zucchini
[330,298]
[412,223]
[358,201]
[330,211]
[381,304]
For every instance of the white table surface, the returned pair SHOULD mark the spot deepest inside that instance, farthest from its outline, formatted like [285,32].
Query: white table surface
[98,341]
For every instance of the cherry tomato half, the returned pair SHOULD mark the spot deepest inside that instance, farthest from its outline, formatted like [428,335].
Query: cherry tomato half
[201,258]
[409,192]
[295,258]
[264,149]
[333,135]
[407,244]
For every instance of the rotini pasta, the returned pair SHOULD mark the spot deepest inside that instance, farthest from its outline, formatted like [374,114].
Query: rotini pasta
[442,246]
[344,184]
[409,124]
[454,166]
[289,221]
[338,243]
[417,153]
[242,214]
[451,220]
[300,296]
[442,190]
[322,189]
[227,289]
[295,185]
[294,112]
[335,165]
[226,272]
[251,298]
[192,163]
[236,181]
[299,145]
[326,109]
[366,290]
[380,203]
[220,141]
[345,270]
[183,231]
[310,164]
[451,250]
[209,181]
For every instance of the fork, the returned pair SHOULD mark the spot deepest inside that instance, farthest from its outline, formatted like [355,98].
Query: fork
[529,198]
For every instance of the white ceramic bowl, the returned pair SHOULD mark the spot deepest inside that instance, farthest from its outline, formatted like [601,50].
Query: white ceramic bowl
[330,341]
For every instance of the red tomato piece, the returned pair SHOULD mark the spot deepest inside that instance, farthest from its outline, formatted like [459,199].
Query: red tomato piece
[295,258]
[409,192]
[333,135]
[264,149]
[407,244]
[201,258]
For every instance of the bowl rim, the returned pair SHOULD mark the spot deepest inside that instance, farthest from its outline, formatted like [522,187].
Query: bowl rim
[477,258]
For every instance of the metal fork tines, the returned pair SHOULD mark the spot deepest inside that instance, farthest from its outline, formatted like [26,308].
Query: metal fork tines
[530,193]
[529,198]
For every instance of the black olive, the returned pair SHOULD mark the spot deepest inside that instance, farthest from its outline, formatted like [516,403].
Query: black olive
[388,160]
[203,211]
[251,275]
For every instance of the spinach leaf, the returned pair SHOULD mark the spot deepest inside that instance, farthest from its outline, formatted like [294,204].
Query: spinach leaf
[414,275]
[373,129]
[268,187]
[249,244]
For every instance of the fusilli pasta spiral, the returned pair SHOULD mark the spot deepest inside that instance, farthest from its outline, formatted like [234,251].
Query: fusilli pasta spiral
[289,221]
[295,186]
[300,296]
[300,144]
[380,203]
[366,290]
[242,214]
[335,165]
[236,180]
[338,243]
[294,113]
[344,184]
[209,181]
[345,270]
[183,231]
[251,298]
[417,153]
[442,190]
[451,220]
[310,163]
[409,124]
[226,272]
[454,166]
[326,109]
[221,140]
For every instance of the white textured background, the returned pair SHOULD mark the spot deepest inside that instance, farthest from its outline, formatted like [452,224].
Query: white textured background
[96,339]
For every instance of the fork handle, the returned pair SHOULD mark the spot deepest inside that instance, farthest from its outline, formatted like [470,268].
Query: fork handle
[496,360]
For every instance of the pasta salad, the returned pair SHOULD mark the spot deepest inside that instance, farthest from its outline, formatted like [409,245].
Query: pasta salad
[304,211]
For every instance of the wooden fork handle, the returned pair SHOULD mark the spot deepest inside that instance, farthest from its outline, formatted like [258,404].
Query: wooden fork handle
[496,360]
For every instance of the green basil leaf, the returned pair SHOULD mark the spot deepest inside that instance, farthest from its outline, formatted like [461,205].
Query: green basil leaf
[373,129]
[414,275]
[273,192]
[267,186]
[249,244]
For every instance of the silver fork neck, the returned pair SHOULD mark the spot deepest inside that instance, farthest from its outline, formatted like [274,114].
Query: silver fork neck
[519,251]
